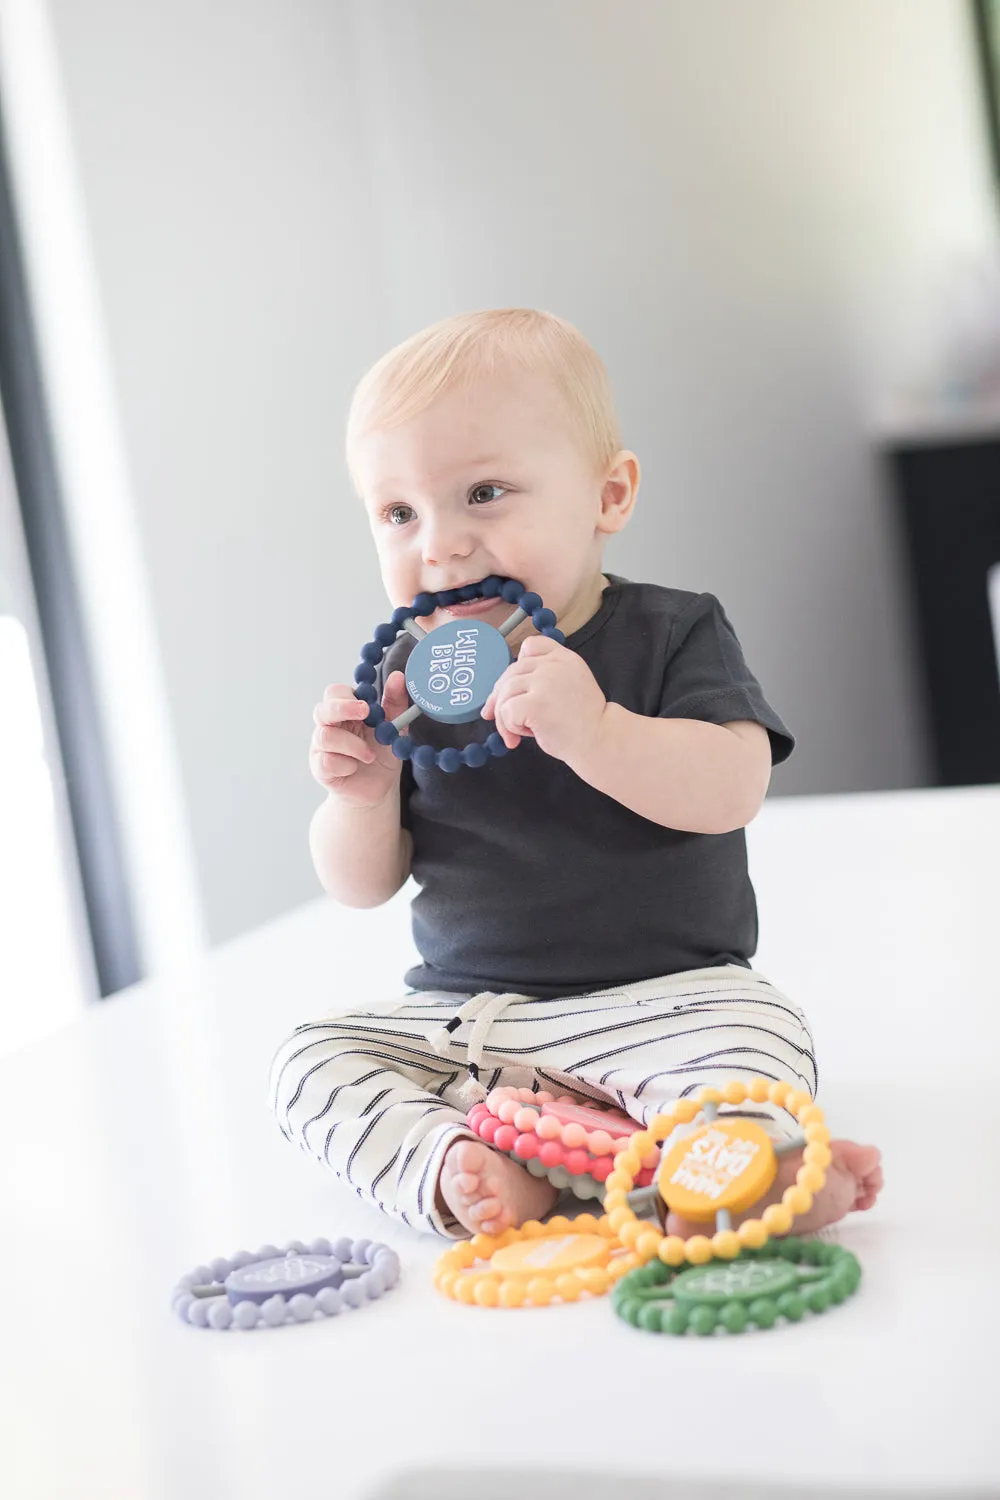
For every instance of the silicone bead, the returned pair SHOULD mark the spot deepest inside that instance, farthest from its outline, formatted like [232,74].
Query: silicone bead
[674,1319]
[702,1319]
[734,1092]
[539,1291]
[708,1096]
[791,1305]
[726,1244]
[197,1313]
[376,715]
[487,1293]
[245,1315]
[296,1247]
[386,733]
[220,1314]
[202,1275]
[529,602]
[181,1303]
[384,634]
[649,1316]
[447,596]
[526,1146]
[469,591]
[600,1143]
[505,1137]
[777,1219]
[576,1162]
[763,1311]
[321,1246]
[542,618]
[371,652]
[550,1153]
[684,1111]
[475,754]
[796,1100]
[489,1127]
[274,1309]
[531,1229]
[779,1091]
[797,1199]
[425,757]
[574,1135]
[490,587]
[526,1119]
[758,1090]
[548,1128]
[344,1249]
[554,634]
[671,1250]
[424,604]
[698,1249]
[495,745]
[353,1293]
[733,1317]
[810,1177]
[811,1115]
[752,1234]
[401,613]
[817,1133]
[374,1284]
[507,1110]
[403,747]
[359,1251]
[302,1307]
[512,591]
[818,1154]
[512,1294]
[648,1244]
[449,759]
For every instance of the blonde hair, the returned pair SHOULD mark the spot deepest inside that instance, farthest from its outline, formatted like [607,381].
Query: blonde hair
[404,382]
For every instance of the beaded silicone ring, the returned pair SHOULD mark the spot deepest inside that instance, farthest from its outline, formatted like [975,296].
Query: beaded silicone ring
[404,619]
[560,1260]
[285,1286]
[680,1164]
[572,1143]
[784,1279]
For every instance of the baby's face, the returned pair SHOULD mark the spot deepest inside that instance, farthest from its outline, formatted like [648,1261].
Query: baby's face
[491,478]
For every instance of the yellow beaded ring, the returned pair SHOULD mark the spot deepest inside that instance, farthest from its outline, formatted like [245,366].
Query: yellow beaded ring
[536,1264]
[722,1169]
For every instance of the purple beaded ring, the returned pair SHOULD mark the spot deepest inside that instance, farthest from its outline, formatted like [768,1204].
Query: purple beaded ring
[451,671]
[285,1286]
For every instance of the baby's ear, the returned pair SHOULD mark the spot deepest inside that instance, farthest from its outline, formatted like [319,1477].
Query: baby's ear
[619,491]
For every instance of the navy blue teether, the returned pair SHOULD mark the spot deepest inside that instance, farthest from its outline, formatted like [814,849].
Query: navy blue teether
[451,671]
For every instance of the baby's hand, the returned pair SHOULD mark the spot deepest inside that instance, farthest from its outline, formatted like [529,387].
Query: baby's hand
[548,692]
[344,755]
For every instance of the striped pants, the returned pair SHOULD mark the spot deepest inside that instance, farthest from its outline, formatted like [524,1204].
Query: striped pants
[375,1095]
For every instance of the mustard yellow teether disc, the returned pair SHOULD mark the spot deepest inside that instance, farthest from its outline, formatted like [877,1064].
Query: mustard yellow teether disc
[728,1164]
[568,1252]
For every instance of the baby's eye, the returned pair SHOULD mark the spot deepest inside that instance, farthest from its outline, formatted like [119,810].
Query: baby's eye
[398,515]
[482,494]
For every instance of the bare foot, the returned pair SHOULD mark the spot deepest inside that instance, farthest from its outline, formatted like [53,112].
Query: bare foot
[853,1181]
[487,1192]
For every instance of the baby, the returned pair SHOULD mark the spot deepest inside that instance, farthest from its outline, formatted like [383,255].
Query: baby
[585,917]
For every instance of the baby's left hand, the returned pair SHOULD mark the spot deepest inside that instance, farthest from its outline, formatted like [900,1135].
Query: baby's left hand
[551,694]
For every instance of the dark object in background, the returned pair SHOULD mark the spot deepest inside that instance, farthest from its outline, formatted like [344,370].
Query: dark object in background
[948,490]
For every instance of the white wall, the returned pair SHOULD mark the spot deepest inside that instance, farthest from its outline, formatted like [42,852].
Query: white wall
[743,205]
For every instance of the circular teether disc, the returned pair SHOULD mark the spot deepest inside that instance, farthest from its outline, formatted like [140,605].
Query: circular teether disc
[737,1281]
[452,671]
[566,1252]
[284,1275]
[728,1164]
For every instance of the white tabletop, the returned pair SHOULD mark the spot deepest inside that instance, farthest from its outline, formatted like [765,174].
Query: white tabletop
[137,1143]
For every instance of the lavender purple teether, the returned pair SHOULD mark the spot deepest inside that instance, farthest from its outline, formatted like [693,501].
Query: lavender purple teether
[285,1286]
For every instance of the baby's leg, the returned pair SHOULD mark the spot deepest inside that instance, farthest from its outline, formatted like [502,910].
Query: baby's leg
[367,1096]
[713,1025]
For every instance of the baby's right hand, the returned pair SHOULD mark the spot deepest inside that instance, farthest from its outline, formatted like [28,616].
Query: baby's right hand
[344,755]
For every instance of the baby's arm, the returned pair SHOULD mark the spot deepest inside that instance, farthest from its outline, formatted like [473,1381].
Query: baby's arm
[362,854]
[681,773]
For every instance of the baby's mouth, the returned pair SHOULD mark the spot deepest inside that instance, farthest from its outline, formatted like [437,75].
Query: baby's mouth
[477,607]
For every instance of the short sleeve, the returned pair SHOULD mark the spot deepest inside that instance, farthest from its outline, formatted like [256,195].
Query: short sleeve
[707,678]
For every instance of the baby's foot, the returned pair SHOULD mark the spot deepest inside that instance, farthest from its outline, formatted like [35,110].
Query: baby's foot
[487,1192]
[853,1181]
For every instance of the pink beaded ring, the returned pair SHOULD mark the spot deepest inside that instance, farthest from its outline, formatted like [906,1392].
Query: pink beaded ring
[571,1142]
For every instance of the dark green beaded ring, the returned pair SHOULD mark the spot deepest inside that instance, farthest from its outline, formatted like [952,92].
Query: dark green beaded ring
[784,1279]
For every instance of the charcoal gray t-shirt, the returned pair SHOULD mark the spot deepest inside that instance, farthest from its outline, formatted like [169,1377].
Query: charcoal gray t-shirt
[532,881]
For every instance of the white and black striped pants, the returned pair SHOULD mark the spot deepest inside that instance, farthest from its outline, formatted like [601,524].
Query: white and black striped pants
[376,1101]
